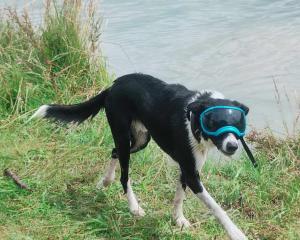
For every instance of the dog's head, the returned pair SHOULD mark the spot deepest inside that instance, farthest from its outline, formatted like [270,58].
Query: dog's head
[220,119]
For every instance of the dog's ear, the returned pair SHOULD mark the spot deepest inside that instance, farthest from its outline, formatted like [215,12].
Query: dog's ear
[196,107]
[242,106]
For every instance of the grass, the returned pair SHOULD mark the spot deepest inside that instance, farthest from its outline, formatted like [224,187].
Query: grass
[58,63]
[53,62]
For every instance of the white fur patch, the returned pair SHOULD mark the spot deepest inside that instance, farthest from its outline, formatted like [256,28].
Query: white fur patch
[229,138]
[138,126]
[178,201]
[214,94]
[217,95]
[109,175]
[140,134]
[134,206]
[41,112]
[233,231]
[178,216]
[182,222]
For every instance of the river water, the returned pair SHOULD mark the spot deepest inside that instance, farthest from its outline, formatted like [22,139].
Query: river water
[244,49]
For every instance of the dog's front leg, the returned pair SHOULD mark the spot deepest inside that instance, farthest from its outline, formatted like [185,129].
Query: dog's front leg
[133,203]
[233,231]
[199,190]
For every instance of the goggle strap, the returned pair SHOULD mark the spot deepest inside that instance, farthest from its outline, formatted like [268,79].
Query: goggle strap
[249,153]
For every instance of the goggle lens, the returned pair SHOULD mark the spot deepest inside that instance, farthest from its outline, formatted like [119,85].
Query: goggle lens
[218,117]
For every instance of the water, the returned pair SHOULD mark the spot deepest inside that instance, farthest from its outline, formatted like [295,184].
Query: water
[238,47]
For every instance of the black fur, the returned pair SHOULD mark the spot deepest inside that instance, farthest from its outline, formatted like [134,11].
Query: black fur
[77,113]
[164,109]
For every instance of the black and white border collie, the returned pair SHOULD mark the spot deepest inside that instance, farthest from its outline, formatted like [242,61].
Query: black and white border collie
[139,107]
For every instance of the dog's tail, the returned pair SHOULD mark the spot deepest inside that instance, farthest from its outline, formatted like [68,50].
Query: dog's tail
[76,113]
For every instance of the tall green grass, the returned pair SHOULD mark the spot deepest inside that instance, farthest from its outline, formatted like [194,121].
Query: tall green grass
[59,62]
[56,61]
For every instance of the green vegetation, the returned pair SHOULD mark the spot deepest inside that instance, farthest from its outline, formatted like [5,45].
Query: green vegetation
[58,63]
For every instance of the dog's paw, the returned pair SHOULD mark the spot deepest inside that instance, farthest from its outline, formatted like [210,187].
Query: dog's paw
[237,234]
[138,212]
[182,222]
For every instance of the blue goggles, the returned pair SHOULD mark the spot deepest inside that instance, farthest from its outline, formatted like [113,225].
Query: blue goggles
[217,120]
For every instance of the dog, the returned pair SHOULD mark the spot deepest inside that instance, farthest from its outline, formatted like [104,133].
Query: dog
[140,107]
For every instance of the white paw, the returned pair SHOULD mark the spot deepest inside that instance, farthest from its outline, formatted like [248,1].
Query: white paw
[138,212]
[237,234]
[182,222]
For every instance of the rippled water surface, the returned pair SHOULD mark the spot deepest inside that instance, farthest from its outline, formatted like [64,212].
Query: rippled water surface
[238,47]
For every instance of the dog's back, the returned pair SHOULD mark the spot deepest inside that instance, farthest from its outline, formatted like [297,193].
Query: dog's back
[147,94]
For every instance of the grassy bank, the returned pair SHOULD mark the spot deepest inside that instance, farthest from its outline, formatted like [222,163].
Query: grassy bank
[58,62]
[54,62]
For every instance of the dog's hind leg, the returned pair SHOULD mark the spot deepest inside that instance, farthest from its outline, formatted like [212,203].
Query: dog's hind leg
[139,140]
[124,153]
[178,216]
[109,175]
[121,135]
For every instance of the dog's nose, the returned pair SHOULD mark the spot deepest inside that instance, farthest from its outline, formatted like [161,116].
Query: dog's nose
[231,147]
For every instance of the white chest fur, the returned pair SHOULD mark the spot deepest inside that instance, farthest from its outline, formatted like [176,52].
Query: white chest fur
[199,150]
